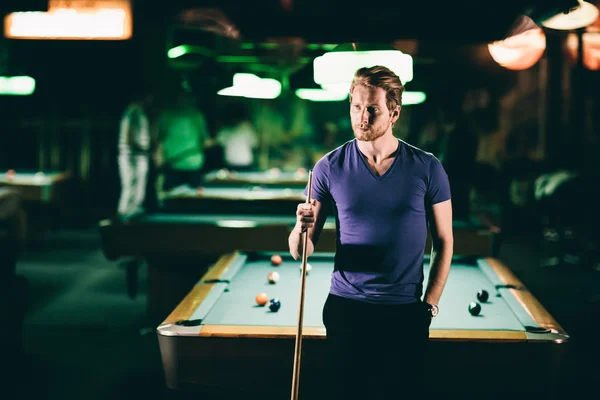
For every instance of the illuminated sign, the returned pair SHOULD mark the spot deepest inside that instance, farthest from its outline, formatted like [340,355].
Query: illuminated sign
[75,20]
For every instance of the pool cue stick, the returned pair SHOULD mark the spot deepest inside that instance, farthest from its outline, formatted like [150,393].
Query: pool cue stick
[298,348]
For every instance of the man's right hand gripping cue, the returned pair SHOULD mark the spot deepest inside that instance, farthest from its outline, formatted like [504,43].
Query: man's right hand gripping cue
[306,215]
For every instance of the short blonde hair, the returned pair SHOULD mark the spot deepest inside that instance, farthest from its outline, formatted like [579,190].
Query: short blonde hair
[380,77]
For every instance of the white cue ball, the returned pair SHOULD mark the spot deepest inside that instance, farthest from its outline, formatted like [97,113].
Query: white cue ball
[308,267]
[39,176]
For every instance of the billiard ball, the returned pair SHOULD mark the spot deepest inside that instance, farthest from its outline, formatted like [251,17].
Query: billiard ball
[199,190]
[10,174]
[262,299]
[308,267]
[275,305]
[38,177]
[273,277]
[223,173]
[273,172]
[301,173]
[474,308]
[483,296]
[276,259]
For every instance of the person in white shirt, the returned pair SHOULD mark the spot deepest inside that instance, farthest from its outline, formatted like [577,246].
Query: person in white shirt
[134,149]
[238,138]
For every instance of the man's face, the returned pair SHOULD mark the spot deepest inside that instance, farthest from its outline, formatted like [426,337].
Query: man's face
[369,114]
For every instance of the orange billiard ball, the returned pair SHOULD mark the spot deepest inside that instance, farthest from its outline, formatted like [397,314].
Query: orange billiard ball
[200,190]
[10,174]
[301,173]
[276,259]
[262,299]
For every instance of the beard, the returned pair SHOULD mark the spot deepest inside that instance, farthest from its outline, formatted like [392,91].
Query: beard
[368,135]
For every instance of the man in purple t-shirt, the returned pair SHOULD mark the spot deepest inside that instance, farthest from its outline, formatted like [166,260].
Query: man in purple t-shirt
[384,194]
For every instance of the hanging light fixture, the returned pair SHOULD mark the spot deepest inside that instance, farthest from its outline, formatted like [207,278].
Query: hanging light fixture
[73,20]
[338,66]
[13,82]
[253,87]
[577,18]
[521,51]
[17,85]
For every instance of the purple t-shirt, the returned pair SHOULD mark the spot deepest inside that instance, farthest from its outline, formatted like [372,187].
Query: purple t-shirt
[381,220]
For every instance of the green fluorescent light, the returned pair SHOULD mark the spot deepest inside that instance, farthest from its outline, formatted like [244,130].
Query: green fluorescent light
[238,59]
[17,85]
[177,51]
[184,49]
[327,47]
[412,98]
[321,95]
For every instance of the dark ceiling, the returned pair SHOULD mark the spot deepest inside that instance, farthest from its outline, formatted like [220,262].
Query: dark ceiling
[447,39]
[282,37]
[324,21]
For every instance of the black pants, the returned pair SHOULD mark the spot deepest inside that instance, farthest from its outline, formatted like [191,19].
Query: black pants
[175,177]
[376,351]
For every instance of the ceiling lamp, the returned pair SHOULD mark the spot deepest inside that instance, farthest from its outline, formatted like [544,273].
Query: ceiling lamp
[579,17]
[521,51]
[13,82]
[252,87]
[413,98]
[338,66]
[17,85]
[321,94]
[67,19]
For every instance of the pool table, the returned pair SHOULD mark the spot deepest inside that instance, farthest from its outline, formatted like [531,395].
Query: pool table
[42,194]
[36,186]
[178,247]
[218,339]
[233,199]
[272,178]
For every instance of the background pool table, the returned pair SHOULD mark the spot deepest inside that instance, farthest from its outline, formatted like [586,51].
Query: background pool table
[42,193]
[218,337]
[233,200]
[271,178]
[179,247]
[36,186]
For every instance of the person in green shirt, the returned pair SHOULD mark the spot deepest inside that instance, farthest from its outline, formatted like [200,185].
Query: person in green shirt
[182,136]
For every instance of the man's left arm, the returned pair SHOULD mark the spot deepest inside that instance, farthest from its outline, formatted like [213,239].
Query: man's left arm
[442,249]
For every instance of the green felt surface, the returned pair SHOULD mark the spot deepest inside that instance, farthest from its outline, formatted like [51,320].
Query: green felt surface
[236,192]
[258,176]
[233,303]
